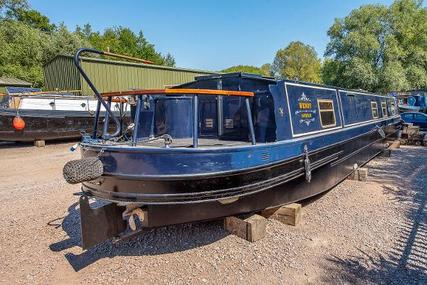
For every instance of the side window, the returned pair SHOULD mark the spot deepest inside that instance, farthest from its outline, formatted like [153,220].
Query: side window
[374,109]
[384,109]
[327,113]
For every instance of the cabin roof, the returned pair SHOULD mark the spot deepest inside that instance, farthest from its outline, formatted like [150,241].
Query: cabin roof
[235,75]
[273,80]
[8,81]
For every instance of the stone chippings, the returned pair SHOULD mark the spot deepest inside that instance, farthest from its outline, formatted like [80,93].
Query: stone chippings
[372,232]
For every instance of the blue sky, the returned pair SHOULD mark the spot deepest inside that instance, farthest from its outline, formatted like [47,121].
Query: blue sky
[211,35]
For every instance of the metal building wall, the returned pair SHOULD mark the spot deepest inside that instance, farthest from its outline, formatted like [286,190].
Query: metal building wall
[108,75]
[60,73]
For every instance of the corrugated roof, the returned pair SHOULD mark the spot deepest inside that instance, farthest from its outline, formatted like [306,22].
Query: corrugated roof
[7,81]
[101,60]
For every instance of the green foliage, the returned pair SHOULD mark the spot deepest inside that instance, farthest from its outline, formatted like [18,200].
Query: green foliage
[263,70]
[8,7]
[266,69]
[33,19]
[24,49]
[28,41]
[298,62]
[123,41]
[379,48]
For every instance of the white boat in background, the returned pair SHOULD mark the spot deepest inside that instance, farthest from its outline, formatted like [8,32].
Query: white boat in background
[64,102]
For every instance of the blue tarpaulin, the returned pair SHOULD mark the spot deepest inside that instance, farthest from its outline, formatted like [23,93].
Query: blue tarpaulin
[13,90]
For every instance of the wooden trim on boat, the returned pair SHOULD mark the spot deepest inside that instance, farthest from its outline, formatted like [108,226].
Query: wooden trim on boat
[179,91]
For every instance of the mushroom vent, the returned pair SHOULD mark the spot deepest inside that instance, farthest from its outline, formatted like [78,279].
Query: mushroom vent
[81,170]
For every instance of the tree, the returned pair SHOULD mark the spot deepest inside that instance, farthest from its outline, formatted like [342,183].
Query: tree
[297,62]
[124,41]
[379,48]
[8,7]
[266,69]
[248,69]
[33,18]
[24,49]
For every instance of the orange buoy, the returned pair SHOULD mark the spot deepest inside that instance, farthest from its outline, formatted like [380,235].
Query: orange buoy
[18,123]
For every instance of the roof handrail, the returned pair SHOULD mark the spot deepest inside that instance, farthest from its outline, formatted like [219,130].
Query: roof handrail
[167,91]
[97,94]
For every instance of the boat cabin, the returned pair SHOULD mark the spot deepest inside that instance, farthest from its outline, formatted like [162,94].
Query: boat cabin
[255,110]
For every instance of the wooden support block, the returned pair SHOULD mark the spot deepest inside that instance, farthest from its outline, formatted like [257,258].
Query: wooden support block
[39,143]
[395,144]
[288,214]
[354,175]
[362,173]
[250,229]
[386,152]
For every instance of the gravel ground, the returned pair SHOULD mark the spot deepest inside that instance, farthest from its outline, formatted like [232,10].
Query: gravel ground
[358,233]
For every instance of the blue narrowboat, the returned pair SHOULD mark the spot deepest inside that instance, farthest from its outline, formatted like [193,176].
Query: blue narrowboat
[223,145]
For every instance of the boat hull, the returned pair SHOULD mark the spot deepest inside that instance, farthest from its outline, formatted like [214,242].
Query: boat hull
[46,125]
[203,197]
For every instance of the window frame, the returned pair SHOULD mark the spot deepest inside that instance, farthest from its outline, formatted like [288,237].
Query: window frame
[326,110]
[384,108]
[376,109]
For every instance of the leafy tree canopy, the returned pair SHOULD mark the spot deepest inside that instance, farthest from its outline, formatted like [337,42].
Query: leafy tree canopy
[264,70]
[297,61]
[25,49]
[123,41]
[28,41]
[379,48]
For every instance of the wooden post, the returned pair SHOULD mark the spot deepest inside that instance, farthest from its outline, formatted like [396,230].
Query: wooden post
[39,143]
[362,173]
[354,175]
[288,214]
[386,152]
[250,229]
[395,144]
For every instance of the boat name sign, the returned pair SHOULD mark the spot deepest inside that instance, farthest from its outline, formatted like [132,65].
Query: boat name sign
[305,110]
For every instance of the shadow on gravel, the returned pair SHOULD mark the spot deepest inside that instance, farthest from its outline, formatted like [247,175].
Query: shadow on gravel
[153,242]
[406,262]
[7,145]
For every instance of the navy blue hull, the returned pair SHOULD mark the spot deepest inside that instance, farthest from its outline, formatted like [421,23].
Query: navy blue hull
[199,198]
[238,171]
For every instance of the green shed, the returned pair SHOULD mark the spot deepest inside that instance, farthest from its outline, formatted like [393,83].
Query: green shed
[110,75]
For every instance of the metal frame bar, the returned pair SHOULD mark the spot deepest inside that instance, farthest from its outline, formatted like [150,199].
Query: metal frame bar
[195,121]
[97,94]
[250,122]
[95,127]
[195,132]
[136,121]
[107,116]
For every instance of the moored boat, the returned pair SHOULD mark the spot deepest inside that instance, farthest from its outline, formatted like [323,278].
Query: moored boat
[223,145]
[47,116]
